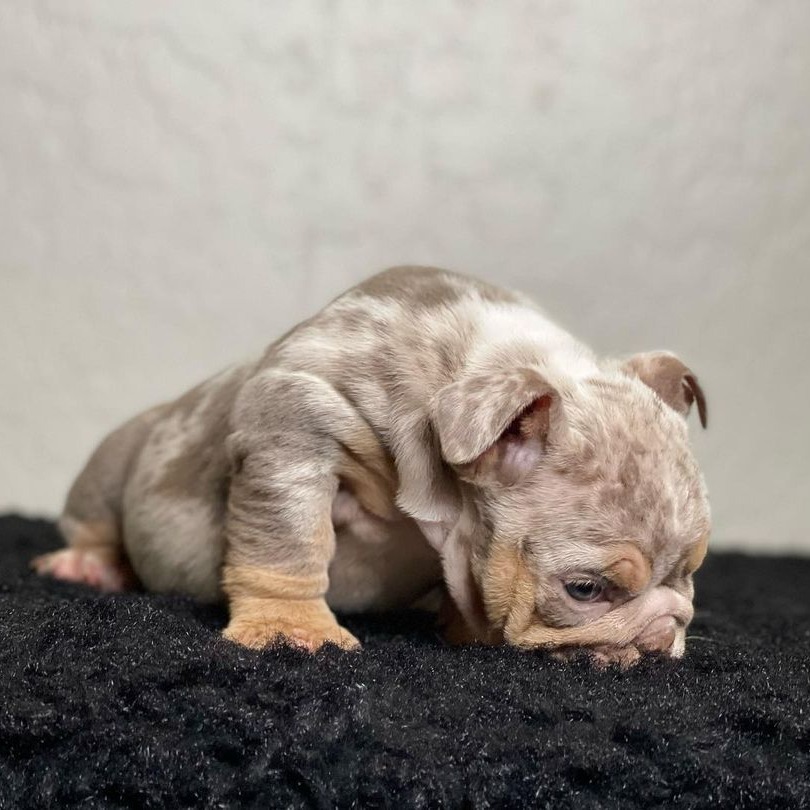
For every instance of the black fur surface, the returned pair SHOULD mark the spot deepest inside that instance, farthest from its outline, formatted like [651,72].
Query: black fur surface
[134,700]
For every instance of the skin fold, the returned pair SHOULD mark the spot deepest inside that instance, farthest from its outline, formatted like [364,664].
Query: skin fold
[423,430]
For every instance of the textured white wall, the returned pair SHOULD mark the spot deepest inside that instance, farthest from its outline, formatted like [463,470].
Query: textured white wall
[180,182]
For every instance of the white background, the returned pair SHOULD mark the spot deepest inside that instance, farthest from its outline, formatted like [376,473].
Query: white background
[180,182]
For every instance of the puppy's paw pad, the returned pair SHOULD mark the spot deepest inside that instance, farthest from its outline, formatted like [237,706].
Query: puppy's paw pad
[313,641]
[85,567]
[258,636]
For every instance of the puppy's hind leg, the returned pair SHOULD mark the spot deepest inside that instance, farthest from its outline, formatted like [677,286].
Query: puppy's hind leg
[91,521]
[93,557]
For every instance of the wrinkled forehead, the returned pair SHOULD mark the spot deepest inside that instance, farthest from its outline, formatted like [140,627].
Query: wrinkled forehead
[625,562]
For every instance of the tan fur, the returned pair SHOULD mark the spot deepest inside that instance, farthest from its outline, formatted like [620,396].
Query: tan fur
[267,607]
[248,580]
[698,554]
[508,589]
[306,623]
[628,569]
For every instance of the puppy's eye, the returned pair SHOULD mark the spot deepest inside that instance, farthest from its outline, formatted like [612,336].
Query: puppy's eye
[584,590]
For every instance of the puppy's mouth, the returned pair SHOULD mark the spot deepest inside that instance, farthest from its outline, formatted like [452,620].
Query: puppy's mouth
[664,636]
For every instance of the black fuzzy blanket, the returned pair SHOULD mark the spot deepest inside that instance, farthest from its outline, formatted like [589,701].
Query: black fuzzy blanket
[135,701]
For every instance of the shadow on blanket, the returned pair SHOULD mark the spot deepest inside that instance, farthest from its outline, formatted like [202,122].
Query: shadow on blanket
[135,701]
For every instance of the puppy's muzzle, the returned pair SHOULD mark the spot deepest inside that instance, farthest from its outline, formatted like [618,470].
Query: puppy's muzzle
[659,635]
[662,616]
[653,622]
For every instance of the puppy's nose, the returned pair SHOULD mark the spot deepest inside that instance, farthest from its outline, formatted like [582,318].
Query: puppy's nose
[658,635]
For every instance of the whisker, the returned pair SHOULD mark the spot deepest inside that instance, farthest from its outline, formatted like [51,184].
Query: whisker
[699,638]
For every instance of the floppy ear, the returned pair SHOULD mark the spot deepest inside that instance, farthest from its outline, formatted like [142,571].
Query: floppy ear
[673,381]
[494,427]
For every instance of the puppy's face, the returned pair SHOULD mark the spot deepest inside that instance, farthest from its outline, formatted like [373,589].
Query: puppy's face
[592,514]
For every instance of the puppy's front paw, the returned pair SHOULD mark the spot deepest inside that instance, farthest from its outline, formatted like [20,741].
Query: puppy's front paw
[260,635]
[308,624]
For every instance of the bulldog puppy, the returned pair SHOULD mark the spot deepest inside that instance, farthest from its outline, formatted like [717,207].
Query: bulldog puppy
[423,428]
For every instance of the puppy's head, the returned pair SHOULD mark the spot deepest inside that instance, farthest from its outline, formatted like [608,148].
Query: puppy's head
[590,513]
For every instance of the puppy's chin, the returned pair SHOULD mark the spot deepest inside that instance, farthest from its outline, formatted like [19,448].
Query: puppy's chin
[623,657]
[659,639]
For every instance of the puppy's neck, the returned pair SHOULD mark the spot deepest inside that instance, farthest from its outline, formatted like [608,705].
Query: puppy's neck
[455,544]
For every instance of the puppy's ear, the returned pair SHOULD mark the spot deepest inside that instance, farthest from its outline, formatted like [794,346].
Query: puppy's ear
[673,381]
[494,427]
